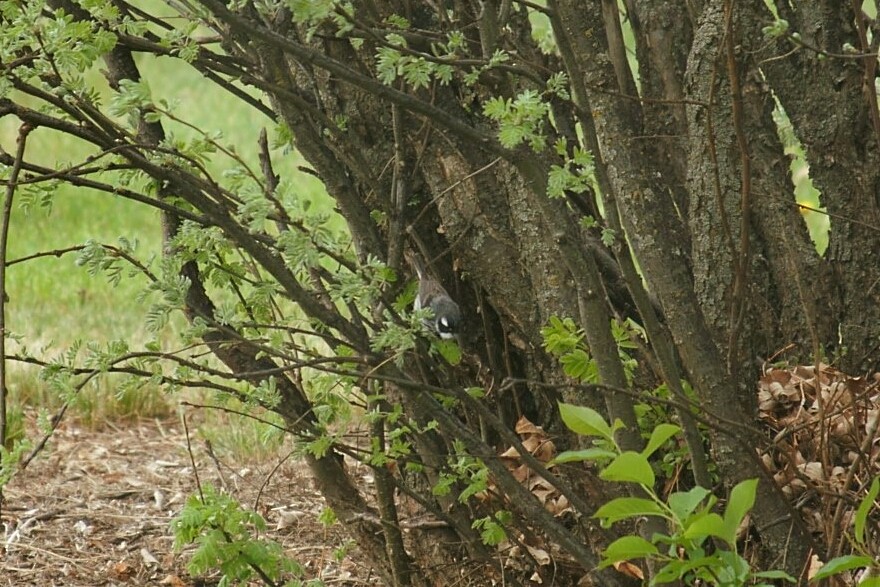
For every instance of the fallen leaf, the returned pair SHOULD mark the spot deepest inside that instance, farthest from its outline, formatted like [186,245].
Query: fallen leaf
[630,570]
[148,558]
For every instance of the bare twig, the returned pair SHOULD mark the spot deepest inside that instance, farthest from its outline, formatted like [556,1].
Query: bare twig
[738,303]
[192,459]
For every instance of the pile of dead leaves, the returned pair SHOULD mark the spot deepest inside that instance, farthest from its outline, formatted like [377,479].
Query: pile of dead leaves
[542,561]
[531,554]
[826,447]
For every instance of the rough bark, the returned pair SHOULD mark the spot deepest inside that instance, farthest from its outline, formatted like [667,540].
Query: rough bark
[632,176]
[751,252]
[838,123]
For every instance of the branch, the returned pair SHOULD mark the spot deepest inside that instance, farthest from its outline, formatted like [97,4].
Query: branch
[309,56]
[738,296]
[23,133]
[47,174]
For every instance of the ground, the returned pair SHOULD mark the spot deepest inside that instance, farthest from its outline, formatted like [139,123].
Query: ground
[94,509]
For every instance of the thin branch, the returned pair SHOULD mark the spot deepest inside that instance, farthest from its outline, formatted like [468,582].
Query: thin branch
[368,84]
[9,196]
[112,250]
[48,174]
[741,261]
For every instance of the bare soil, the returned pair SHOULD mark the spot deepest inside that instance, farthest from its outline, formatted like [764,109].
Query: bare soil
[95,509]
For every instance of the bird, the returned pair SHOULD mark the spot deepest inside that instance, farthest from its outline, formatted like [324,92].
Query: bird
[446,321]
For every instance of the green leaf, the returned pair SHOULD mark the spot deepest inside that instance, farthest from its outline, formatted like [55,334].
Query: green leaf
[864,508]
[781,575]
[561,336]
[585,421]
[608,236]
[491,532]
[742,498]
[587,454]
[623,508]
[842,564]
[659,435]
[449,350]
[710,524]
[578,365]
[327,517]
[475,392]
[683,503]
[496,108]
[626,548]
[670,572]
[629,466]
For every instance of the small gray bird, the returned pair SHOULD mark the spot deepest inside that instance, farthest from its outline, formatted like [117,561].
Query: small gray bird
[447,315]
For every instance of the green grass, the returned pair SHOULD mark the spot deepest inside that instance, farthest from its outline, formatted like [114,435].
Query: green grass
[53,301]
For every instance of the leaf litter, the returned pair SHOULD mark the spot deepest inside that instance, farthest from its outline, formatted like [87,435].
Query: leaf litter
[825,450]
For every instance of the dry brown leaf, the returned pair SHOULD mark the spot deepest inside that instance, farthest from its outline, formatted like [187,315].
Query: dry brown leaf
[510,453]
[148,558]
[543,494]
[546,451]
[522,473]
[525,426]
[541,556]
[813,471]
[630,570]
[558,506]
[815,564]
[532,443]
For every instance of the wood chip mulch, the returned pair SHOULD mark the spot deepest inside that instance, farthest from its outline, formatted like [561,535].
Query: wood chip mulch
[94,509]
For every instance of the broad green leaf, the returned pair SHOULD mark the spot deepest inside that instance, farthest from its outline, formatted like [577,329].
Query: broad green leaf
[623,508]
[841,564]
[862,512]
[742,498]
[670,572]
[585,421]
[626,548]
[587,454]
[782,575]
[734,569]
[709,525]
[660,434]
[629,466]
[683,503]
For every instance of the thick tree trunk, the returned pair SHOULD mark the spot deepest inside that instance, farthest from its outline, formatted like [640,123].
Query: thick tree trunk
[756,273]
[832,103]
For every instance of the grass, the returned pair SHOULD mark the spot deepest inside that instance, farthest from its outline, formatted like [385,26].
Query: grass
[54,302]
